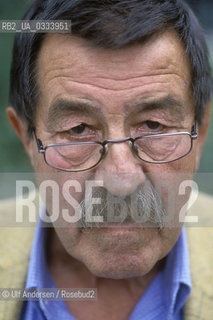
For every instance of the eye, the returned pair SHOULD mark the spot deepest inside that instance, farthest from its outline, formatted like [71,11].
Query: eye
[153,125]
[80,129]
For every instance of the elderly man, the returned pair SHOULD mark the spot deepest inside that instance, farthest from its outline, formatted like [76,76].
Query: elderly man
[123,103]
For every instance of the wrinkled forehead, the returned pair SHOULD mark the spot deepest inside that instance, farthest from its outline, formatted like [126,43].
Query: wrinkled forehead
[68,65]
[160,51]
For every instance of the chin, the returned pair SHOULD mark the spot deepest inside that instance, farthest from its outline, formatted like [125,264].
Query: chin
[119,266]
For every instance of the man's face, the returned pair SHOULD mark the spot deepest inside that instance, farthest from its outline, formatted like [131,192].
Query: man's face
[119,93]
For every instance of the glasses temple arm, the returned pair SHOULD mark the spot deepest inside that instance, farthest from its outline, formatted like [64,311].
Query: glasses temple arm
[194,131]
[39,143]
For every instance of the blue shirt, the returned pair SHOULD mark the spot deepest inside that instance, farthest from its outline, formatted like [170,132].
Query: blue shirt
[163,300]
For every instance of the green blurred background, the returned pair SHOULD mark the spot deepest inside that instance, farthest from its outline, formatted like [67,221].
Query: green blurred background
[12,154]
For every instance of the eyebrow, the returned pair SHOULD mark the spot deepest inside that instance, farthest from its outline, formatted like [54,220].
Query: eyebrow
[168,103]
[62,107]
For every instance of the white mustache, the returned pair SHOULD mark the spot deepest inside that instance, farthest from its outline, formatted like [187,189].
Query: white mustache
[144,206]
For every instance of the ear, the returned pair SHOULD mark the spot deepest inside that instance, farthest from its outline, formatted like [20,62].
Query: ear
[202,133]
[20,128]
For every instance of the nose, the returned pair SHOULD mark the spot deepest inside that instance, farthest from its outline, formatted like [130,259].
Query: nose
[120,171]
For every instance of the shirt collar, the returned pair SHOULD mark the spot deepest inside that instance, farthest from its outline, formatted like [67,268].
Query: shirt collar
[176,275]
[169,290]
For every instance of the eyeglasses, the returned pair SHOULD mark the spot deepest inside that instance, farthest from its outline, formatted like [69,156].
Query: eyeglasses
[81,156]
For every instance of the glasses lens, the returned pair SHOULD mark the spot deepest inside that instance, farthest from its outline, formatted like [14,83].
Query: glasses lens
[74,157]
[163,148]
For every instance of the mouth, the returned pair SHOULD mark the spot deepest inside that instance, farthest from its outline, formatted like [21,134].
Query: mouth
[119,230]
[114,228]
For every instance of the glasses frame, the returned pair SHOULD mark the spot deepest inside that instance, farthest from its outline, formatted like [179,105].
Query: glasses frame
[42,149]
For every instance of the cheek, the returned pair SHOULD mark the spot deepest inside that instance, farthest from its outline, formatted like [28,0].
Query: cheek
[61,192]
[173,184]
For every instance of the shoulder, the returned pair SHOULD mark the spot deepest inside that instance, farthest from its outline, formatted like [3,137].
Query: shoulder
[16,235]
[19,211]
[200,244]
[200,233]
[202,206]
[15,247]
